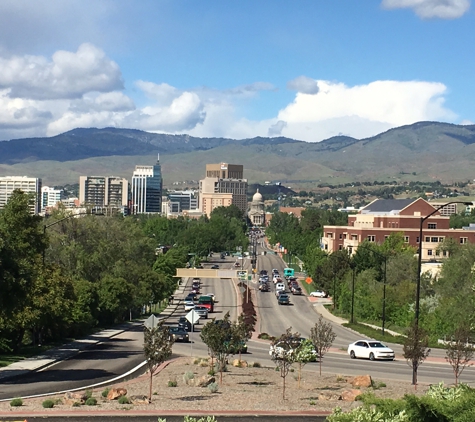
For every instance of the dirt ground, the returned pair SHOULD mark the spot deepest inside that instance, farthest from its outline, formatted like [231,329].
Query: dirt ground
[243,388]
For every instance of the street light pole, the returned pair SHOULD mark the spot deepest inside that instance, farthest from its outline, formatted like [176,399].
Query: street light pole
[418,279]
[352,319]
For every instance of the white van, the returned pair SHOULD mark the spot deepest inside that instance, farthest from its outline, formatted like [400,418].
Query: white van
[279,286]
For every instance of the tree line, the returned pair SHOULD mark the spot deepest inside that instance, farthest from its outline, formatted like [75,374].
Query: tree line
[60,277]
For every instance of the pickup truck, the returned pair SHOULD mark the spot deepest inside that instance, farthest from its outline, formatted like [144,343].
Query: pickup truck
[207,301]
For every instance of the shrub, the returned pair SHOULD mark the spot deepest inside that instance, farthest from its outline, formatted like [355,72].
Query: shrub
[196,361]
[277,369]
[255,365]
[124,400]
[213,387]
[16,403]
[105,392]
[211,372]
[172,383]
[188,376]
[88,393]
[292,369]
[76,404]
[57,402]
[91,401]
[48,404]
[313,402]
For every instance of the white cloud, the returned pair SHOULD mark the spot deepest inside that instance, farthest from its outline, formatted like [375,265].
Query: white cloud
[427,9]
[68,75]
[109,101]
[303,84]
[276,128]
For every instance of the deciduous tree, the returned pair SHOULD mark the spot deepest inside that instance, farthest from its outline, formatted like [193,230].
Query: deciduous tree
[322,337]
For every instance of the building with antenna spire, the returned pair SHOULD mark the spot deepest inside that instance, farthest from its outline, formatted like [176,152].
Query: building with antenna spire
[147,187]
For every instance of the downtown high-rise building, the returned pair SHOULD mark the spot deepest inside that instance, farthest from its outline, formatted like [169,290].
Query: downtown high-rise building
[30,185]
[147,187]
[103,191]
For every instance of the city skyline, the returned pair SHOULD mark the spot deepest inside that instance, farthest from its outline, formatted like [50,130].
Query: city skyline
[237,69]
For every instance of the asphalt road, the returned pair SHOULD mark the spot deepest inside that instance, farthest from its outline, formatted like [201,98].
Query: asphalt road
[123,352]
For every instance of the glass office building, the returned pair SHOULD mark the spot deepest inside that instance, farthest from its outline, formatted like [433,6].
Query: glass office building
[147,184]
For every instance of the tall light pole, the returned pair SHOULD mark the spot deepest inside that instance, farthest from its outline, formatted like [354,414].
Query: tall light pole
[419,269]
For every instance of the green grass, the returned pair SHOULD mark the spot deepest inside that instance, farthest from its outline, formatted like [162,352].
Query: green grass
[374,333]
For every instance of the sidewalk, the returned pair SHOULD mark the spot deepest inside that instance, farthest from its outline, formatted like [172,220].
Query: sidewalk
[68,350]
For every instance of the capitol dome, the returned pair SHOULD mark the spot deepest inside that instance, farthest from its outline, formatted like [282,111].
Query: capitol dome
[257,197]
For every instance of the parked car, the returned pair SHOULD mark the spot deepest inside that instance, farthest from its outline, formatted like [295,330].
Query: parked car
[283,299]
[318,293]
[215,267]
[189,305]
[202,311]
[179,334]
[370,349]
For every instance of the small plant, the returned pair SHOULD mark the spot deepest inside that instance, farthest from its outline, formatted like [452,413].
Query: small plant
[196,361]
[91,401]
[255,365]
[212,372]
[172,383]
[88,393]
[313,403]
[155,393]
[76,404]
[105,392]
[277,369]
[124,400]
[188,376]
[377,385]
[292,369]
[340,378]
[48,404]
[16,403]
[213,387]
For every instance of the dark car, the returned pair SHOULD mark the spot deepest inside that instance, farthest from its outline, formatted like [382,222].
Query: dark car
[215,267]
[191,296]
[264,287]
[223,256]
[283,299]
[184,324]
[263,272]
[179,334]
[296,290]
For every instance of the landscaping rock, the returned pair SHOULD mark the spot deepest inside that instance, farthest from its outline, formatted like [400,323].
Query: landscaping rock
[362,381]
[350,395]
[115,393]
[139,399]
[71,398]
[329,395]
[239,363]
[205,380]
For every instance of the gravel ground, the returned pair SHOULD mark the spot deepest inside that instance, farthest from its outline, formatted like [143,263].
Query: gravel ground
[243,388]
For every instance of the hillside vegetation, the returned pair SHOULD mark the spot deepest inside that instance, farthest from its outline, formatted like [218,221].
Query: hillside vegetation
[422,151]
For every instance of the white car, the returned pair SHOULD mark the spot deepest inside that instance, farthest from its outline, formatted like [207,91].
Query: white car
[189,305]
[318,293]
[370,349]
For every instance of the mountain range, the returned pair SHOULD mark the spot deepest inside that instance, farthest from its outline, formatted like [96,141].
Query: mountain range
[421,151]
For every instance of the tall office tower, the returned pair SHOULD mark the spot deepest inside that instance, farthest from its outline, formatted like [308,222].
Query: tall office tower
[223,186]
[147,186]
[103,191]
[225,171]
[50,197]
[26,184]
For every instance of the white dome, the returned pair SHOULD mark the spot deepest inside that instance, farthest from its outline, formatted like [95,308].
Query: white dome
[257,197]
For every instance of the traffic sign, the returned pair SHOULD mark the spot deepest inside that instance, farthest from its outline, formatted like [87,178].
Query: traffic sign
[151,322]
[192,317]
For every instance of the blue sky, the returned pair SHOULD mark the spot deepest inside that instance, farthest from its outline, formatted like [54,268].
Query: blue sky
[305,69]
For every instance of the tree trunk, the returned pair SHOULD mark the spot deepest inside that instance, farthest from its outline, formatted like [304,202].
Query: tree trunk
[150,386]
[283,389]
[320,365]
[300,373]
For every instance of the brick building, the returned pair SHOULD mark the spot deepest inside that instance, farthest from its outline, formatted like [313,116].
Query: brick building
[382,217]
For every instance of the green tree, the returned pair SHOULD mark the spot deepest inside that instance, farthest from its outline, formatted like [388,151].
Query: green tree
[415,349]
[304,353]
[459,350]
[158,344]
[322,337]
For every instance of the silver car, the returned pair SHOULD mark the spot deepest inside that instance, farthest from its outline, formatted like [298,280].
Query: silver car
[202,311]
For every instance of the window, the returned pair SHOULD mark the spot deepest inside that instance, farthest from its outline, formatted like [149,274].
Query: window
[406,239]
[340,247]
[429,252]
[444,253]
[441,239]
[386,237]
[354,237]
[330,235]
[326,247]
[341,236]
[432,226]
[417,239]
[427,239]
[371,238]
[437,253]
[463,240]
[434,239]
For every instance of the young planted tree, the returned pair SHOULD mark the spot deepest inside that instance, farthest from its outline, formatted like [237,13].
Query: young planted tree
[282,351]
[304,354]
[322,337]
[157,348]
[415,349]
[242,332]
[459,352]
[218,336]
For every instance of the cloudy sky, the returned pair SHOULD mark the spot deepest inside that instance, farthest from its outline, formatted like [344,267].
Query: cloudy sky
[306,69]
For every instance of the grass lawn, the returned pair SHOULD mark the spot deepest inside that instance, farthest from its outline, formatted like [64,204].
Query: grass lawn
[366,331]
